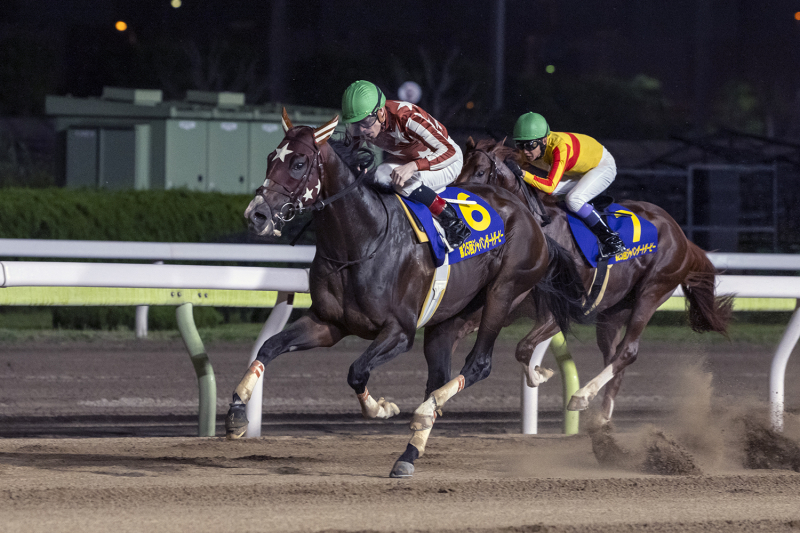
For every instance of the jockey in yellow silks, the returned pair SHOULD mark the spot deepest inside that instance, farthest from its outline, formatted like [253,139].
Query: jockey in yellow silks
[577,166]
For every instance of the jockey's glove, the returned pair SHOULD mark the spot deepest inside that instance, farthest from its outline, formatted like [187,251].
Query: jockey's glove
[512,165]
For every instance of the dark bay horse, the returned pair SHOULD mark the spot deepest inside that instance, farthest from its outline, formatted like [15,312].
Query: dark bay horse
[370,277]
[636,287]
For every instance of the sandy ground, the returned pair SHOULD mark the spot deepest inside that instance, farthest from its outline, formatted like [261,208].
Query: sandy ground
[99,437]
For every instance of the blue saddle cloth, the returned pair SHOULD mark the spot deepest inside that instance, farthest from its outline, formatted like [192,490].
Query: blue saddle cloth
[488,229]
[639,235]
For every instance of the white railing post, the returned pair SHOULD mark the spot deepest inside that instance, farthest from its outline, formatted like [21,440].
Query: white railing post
[141,316]
[530,395]
[777,373]
[275,323]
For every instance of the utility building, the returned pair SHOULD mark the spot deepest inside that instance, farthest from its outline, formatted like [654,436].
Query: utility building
[131,139]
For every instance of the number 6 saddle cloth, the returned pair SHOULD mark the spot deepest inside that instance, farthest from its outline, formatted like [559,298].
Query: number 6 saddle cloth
[488,229]
[639,235]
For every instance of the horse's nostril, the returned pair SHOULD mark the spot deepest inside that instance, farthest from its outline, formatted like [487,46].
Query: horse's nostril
[258,218]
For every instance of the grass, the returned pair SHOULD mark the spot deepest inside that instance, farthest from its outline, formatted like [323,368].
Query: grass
[745,333]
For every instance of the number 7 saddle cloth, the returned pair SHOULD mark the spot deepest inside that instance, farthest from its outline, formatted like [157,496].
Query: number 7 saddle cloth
[488,229]
[639,235]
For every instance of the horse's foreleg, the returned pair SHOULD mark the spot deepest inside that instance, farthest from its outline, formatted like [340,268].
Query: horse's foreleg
[305,333]
[609,335]
[390,342]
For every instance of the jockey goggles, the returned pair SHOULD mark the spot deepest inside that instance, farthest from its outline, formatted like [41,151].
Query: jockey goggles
[369,120]
[531,145]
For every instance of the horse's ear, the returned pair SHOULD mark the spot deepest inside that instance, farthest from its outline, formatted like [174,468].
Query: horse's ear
[285,122]
[323,133]
[470,144]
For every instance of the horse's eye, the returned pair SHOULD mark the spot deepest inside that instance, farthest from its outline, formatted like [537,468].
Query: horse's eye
[480,173]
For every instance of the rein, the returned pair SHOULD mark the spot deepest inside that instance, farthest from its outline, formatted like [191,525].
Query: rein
[290,210]
[345,264]
[534,202]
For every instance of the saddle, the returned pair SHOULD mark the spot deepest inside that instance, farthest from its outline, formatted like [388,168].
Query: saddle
[639,235]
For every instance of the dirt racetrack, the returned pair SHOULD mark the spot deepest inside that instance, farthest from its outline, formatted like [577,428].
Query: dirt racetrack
[98,437]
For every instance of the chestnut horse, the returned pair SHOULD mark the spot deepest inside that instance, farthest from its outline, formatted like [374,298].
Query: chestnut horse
[636,287]
[370,277]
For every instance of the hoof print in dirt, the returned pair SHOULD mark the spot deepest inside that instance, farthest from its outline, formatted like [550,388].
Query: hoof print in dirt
[606,449]
[764,448]
[666,457]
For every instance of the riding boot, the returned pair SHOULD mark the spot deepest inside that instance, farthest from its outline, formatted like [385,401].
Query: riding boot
[610,242]
[454,228]
[455,231]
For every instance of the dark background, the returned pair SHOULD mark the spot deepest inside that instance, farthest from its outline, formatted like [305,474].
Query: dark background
[624,69]
[664,85]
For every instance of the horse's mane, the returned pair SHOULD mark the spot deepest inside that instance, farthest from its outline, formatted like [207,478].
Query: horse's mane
[488,145]
[354,157]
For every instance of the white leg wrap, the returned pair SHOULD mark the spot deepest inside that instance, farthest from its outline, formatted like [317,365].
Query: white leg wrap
[441,395]
[248,383]
[376,409]
[587,393]
[537,375]
[419,439]
[424,415]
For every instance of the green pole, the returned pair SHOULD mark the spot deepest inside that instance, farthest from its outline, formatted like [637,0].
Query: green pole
[202,366]
[569,381]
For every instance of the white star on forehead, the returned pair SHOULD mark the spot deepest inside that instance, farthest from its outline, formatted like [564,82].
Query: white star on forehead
[282,152]
[308,194]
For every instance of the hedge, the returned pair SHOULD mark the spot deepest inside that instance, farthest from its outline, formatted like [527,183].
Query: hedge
[96,214]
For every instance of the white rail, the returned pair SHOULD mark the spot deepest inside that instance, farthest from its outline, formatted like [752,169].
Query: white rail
[55,274]
[742,287]
[155,251]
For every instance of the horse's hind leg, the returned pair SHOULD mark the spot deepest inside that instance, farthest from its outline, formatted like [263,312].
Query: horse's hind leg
[305,333]
[477,367]
[540,332]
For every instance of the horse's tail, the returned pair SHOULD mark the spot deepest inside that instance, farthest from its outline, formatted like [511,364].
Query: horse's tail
[561,291]
[707,312]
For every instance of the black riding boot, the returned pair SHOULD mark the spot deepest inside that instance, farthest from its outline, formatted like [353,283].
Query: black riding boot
[455,231]
[454,228]
[610,242]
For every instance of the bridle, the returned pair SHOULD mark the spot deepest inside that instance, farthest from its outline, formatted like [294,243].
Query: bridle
[295,206]
[534,202]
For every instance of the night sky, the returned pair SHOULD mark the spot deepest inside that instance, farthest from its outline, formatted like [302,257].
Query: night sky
[617,67]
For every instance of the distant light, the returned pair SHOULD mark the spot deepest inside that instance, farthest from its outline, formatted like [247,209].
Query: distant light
[410,91]
[121,26]
[175,3]
[470,104]
[550,69]
[797,16]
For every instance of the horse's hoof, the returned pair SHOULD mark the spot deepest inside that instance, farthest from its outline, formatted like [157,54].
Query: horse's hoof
[402,469]
[577,403]
[235,421]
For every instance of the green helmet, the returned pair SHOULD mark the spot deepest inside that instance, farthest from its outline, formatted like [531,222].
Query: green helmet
[361,99]
[530,126]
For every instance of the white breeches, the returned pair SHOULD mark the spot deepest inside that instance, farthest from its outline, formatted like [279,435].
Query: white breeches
[435,179]
[582,189]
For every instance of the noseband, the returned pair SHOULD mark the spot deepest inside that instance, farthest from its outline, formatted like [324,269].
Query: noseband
[295,206]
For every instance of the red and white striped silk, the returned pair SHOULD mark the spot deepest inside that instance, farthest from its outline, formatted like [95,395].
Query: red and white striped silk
[411,134]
